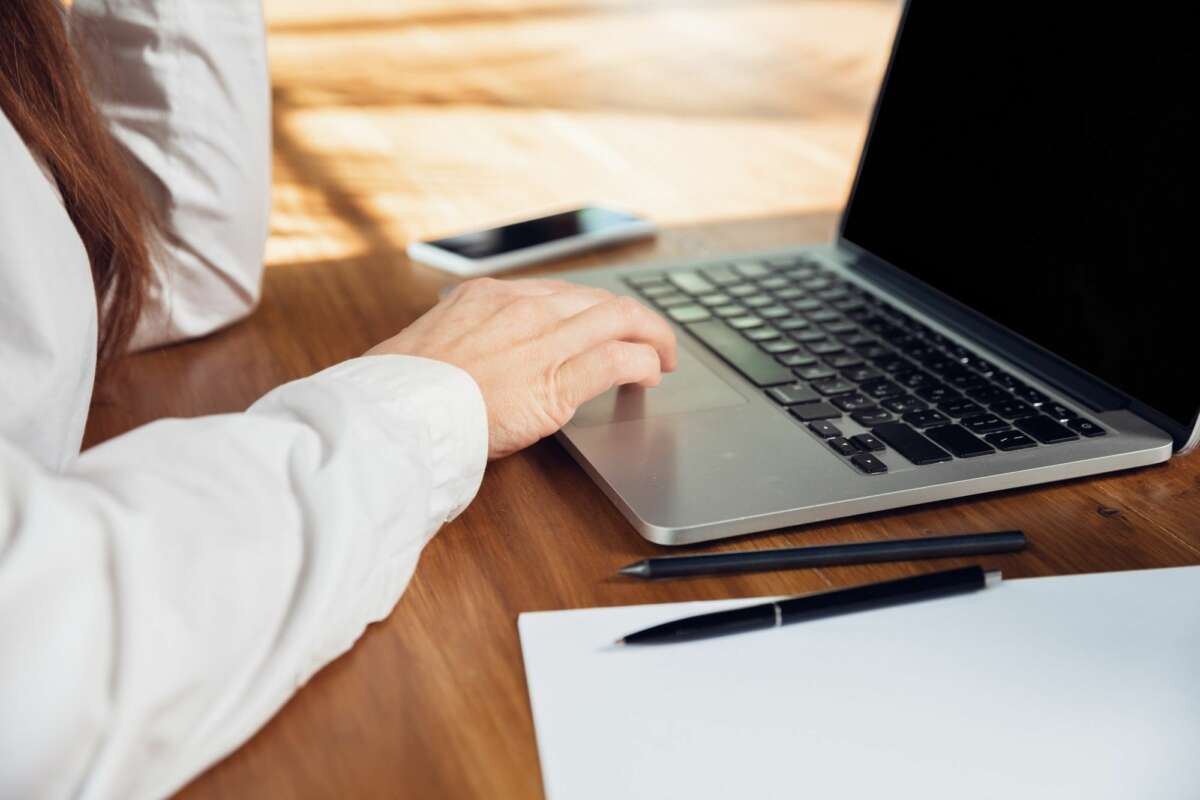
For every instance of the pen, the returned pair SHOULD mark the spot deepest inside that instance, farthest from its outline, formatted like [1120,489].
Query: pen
[817,606]
[967,544]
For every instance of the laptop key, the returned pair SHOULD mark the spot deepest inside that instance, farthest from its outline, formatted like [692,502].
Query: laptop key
[988,395]
[914,379]
[870,416]
[924,419]
[813,411]
[879,388]
[903,404]
[857,340]
[824,429]
[792,324]
[910,444]
[852,401]
[833,386]
[796,359]
[867,443]
[958,441]
[777,346]
[814,373]
[893,363]
[688,313]
[1008,381]
[802,272]
[967,384]
[1044,429]
[752,269]
[761,334]
[729,311]
[792,394]
[824,348]
[868,463]
[843,360]
[979,365]
[808,336]
[773,312]
[722,276]
[1086,427]
[1058,411]
[860,374]
[841,326]
[672,300]
[986,423]
[691,282]
[874,350]
[759,368]
[938,393]
[937,364]
[842,445]
[960,408]
[741,323]
[1031,396]
[1013,408]
[658,290]
[1010,440]
[715,299]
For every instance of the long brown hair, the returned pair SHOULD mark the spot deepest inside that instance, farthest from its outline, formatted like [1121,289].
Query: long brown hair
[45,96]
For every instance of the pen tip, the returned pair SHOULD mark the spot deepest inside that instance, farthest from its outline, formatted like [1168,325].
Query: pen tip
[619,642]
[638,570]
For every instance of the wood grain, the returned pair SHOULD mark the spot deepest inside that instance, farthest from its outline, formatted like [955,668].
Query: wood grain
[431,702]
[732,121]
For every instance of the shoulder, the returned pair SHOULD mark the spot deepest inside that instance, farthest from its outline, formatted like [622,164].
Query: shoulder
[47,311]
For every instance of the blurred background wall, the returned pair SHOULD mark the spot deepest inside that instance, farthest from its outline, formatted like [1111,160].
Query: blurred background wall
[402,119]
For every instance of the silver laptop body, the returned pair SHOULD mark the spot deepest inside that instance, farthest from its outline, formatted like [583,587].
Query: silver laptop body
[711,453]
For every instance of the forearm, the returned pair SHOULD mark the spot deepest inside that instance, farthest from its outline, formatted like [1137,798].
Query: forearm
[169,593]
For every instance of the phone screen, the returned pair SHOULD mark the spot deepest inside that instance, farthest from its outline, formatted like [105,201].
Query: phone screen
[519,235]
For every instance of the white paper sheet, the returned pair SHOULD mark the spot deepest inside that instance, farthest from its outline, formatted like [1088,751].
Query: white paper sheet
[1071,687]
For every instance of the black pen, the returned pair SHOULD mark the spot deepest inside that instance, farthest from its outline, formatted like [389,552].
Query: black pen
[816,606]
[967,544]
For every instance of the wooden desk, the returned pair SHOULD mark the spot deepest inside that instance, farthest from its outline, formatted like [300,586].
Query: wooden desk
[431,703]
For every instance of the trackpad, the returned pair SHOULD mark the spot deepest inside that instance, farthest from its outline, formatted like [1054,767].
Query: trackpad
[691,387]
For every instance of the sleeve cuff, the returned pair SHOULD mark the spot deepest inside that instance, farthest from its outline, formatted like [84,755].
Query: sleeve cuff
[442,398]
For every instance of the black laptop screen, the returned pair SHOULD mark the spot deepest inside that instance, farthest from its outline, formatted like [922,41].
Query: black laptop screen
[1038,165]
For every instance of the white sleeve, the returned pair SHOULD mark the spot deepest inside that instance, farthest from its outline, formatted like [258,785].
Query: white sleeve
[185,89]
[164,596]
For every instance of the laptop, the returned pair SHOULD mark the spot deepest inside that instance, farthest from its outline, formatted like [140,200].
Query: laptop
[1007,302]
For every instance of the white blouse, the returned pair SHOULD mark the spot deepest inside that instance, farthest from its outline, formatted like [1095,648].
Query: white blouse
[164,593]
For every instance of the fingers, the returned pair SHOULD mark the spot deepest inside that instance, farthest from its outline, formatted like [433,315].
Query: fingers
[613,363]
[622,319]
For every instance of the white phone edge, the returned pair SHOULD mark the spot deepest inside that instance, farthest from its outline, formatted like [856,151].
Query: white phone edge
[427,254]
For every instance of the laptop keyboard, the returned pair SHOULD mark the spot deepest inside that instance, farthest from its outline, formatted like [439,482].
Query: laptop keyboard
[827,349]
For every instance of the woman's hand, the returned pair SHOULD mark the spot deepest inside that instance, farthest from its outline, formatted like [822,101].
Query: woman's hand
[539,349]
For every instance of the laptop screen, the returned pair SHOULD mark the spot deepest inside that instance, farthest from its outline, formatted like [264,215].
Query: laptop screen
[1039,166]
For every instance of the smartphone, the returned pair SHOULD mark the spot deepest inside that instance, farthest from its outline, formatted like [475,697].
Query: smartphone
[531,241]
